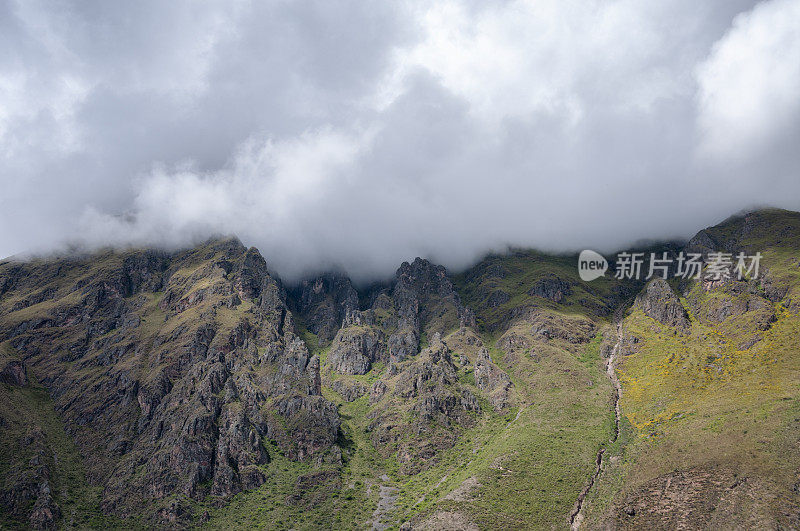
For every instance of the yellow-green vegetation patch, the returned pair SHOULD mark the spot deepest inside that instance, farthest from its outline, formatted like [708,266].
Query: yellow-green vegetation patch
[704,402]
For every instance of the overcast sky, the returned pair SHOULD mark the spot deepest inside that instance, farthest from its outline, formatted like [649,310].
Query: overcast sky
[361,134]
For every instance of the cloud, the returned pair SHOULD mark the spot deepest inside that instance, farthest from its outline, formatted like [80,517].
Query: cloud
[750,84]
[357,135]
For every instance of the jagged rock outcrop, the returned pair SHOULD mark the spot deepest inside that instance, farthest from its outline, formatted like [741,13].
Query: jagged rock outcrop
[25,490]
[356,348]
[489,378]
[427,389]
[425,298]
[552,288]
[658,301]
[421,301]
[492,380]
[171,370]
[324,302]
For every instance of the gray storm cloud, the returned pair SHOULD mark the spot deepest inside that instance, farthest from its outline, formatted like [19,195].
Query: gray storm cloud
[356,135]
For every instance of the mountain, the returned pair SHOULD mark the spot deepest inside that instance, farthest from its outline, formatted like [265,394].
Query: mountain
[144,388]
[710,403]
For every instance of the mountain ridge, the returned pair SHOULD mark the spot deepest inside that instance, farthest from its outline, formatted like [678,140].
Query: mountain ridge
[198,379]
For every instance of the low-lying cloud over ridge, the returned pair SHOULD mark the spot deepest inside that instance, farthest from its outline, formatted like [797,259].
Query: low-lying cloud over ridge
[361,134]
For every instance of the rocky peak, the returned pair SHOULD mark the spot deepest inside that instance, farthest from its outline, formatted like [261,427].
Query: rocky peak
[423,408]
[423,278]
[420,300]
[426,302]
[251,274]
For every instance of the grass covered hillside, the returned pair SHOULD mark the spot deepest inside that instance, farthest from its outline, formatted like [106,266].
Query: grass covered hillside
[711,404]
[192,389]
[496,422]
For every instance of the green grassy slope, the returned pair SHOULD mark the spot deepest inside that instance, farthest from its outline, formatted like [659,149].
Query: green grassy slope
[712,418]
[527,468]
[519,467]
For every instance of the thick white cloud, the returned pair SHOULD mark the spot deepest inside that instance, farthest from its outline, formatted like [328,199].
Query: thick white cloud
[360,134]
[750,84]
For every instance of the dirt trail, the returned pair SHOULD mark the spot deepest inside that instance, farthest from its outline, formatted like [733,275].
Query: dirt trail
[387,498]
[576,518]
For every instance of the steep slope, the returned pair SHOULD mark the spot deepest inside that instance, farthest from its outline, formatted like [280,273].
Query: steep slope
[42,478]
[414,392]
[711,393]
[547,331]
[169,371]
[191,389]
[495,425]
[397,370]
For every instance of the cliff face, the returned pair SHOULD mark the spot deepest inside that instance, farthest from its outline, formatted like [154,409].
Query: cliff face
[168,370]
[177,389]
[417,405]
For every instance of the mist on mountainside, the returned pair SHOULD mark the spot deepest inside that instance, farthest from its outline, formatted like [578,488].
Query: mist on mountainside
[357,136]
